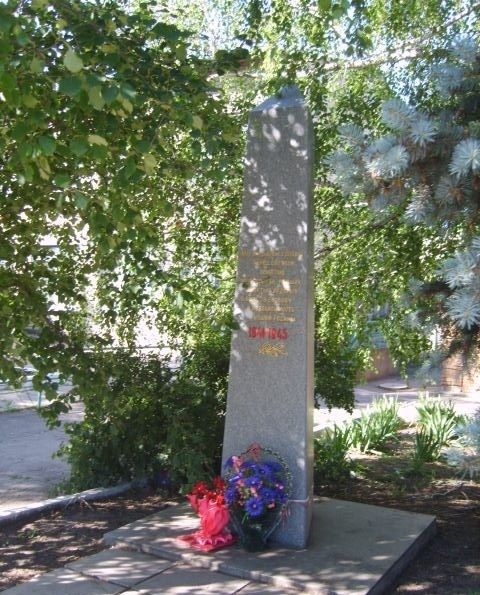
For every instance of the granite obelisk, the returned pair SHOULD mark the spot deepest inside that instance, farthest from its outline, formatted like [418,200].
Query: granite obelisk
[270,394]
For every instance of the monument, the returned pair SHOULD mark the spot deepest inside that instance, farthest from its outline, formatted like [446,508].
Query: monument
[270,394]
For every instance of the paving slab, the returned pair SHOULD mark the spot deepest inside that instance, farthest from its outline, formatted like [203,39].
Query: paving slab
[64,582]
[354,549]
[262,589]
[184,579]
[121,567]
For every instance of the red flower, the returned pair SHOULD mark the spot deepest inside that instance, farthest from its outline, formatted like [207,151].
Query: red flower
[218,484]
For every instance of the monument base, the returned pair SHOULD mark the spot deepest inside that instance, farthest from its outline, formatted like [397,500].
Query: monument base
[353,548]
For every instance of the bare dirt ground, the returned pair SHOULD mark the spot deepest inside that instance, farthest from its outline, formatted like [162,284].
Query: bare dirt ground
[449,565]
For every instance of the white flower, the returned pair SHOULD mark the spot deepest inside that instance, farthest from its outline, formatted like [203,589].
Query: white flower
[466,157]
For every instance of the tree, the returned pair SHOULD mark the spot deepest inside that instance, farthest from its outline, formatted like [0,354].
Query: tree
[122,144]
[349,58]
[108,125]
[428,170]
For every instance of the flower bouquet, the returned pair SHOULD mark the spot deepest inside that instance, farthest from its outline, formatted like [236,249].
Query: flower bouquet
[209,503]
[258,485]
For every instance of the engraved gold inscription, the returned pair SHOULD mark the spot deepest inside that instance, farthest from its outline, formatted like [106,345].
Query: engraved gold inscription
[273,349]
[267,291]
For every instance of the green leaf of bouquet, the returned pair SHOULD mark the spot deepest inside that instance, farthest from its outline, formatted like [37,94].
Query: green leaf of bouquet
[70,85]
[72,62]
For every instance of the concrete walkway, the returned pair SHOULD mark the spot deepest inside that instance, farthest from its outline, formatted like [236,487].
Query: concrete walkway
[407,395]
[354,549]
[28,473]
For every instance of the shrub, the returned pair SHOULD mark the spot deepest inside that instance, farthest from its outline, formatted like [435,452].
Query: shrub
[378,424]
[427,448]
[437,419]
[437,422]
[331,461]
[150,421]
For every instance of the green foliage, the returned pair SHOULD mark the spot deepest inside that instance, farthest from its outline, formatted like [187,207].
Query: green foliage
[114,147]
[426,449]
[377,425]
[123,147]
[438,417]
[437,423]
[426,169]
[150,419]
[331,461]
[335,375]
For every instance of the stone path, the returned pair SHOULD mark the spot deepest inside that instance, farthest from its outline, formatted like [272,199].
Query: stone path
[354,549]
[132,573]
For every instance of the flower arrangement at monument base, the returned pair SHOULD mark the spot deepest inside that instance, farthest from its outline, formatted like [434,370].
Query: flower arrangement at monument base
[209,503]
[258,485]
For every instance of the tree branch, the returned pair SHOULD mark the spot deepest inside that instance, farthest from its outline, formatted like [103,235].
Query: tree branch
[373,226]
[407,51]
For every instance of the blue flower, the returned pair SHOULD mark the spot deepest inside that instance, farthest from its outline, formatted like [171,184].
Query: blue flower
[230,495]
[233,480]
[274,466]
[267,495]
[253,482]
[265,470]
[254,507]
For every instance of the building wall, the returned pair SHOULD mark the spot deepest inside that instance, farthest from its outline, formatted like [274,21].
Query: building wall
[383,366]
[459,375]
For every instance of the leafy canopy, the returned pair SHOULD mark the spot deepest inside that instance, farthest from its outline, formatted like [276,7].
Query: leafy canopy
[108,123]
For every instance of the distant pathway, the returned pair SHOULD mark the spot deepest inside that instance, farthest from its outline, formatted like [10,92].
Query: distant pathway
[465,404]
[27,470]
[28,473]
